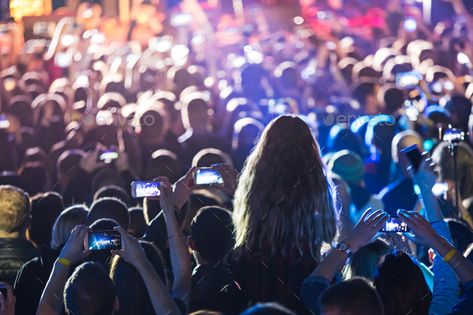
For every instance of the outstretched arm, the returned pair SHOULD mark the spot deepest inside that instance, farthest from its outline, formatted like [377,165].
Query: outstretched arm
[180,257]
[370,223]
[133,253]
[52,298]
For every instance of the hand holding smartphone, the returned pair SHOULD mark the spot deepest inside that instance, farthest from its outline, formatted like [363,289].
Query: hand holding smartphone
[413,155]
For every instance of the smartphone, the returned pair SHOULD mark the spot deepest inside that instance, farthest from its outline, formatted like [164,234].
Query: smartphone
[141,189]
[207,176]
[4,122]
[414,156]
[409,79]
[394,225]
[107,156]
[410,25]
[104,240]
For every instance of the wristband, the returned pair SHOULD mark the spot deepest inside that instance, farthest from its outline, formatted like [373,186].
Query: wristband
[64,261]
[449,255]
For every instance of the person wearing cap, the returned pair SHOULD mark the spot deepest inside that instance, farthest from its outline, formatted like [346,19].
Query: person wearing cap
[349,166]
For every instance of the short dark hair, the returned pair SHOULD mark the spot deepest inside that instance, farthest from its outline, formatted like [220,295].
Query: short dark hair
[393,99]
[355,296]
[15,208]
[362,90]
[45,208]
[212,233]
[89,291]
[112,191]
[111,208]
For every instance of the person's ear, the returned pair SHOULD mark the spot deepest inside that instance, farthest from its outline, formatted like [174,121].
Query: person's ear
[116,305]
[191,243]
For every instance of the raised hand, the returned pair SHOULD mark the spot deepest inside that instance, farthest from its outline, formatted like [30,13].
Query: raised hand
[229,176]
[423,231]
[183,188]
[425,175]
[131,250]
[367,227]
[74,250]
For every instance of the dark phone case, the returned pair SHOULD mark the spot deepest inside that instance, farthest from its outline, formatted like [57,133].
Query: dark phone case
[413,155]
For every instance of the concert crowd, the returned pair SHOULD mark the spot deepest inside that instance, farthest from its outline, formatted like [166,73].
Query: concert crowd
[240,164]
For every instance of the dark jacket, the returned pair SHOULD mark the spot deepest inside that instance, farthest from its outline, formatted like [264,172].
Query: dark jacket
[31,280]
[14,252]
[273,278]
[214,289]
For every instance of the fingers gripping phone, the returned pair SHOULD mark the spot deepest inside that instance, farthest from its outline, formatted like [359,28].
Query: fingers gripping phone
[207,176]
[141,189]
[103,240]
[395,225]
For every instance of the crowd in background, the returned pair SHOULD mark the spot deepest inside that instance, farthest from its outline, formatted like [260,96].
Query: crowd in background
[305,121]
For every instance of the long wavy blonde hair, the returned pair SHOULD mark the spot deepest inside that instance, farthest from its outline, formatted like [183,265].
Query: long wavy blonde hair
[284,200]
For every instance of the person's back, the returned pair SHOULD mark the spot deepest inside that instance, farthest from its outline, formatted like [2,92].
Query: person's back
[283,211]
[33,275]
[213,285]
[15,249]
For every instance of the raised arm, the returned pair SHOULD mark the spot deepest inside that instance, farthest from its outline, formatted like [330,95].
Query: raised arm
[133,253]
[366,228]
[180,257]
[426,235]
[445,283]
[51,301]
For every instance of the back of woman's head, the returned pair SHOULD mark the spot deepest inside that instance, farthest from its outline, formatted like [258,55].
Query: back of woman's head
[131,291]
[401,286]
[65,223]
[283,195]
[364,263]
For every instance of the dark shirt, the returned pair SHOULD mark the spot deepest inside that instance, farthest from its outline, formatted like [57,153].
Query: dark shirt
[399,195]
[213,288]
[31,280]
[273,279]
[14,252]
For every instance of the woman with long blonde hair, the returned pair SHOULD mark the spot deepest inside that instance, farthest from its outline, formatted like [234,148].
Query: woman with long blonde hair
[284,209]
